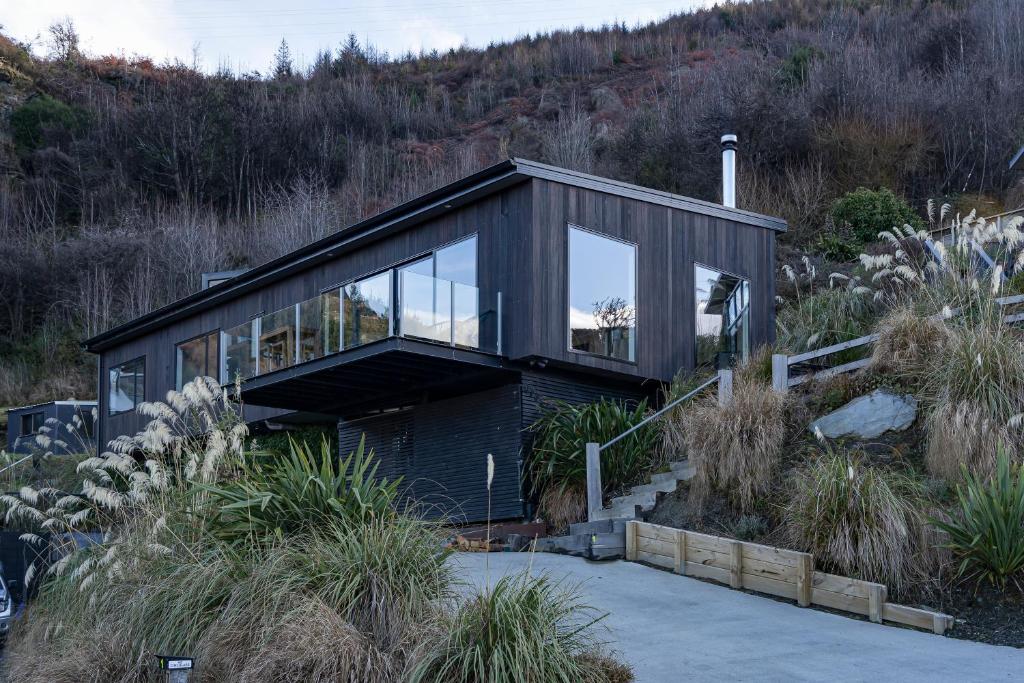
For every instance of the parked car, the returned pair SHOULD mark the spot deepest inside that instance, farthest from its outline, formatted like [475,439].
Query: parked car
[6,608]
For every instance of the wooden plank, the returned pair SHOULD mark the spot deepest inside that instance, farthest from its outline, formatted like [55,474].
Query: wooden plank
[1010,300]
[829,372]
[715,544]
[736,564]
[779,572]
[656,531]
[653,545]
[780,373]
[842,584]
[680,557]
[707,557]
[920,618]
[764,584]
[767,553]
[631,530]
[707,572]
[1014,318]
[656,560]
[804,580]
[876,598]
[835,348]
[839,601]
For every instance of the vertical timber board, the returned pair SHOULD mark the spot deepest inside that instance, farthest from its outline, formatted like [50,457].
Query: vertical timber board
[736,564]
[804,579]
[876,599]
[631,529]
[680,558]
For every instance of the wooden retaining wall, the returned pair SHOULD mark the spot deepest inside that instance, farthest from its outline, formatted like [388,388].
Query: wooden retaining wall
[775,571]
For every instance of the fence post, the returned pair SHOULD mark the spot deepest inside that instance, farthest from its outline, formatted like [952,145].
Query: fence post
[724,387]
[594,500]
[804,579]
[780,372]
[631,528]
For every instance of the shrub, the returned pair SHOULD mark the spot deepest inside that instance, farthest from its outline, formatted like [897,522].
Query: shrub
[297,493]
[40,115]
[826,317]
[870,212]
[558,458]
[988,533]
[859,520]
[279,443]
[524,629]
[907,344]
[736,448]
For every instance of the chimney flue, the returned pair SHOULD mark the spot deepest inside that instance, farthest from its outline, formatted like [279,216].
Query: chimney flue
[729,170]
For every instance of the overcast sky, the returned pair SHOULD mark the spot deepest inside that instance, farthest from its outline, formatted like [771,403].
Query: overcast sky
[244,34]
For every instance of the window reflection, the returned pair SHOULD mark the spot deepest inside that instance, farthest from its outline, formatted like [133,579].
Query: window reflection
[277,340]
[722,317]
[197,358]
[602,295]
[127,385]
[367,310]
[240,352]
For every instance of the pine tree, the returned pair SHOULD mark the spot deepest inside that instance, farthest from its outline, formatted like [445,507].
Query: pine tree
[283,61]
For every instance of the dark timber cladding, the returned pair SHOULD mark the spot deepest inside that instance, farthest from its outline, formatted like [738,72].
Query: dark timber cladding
[670,241]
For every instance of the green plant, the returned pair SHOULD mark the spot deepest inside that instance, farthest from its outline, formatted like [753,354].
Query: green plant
[860,520]
[828,316]
[295,494]
[558,457]
[524,629]
[279,443]
[39,115]
[870,212]
[988,533]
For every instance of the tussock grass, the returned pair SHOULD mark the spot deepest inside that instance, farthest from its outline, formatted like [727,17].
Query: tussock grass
[524,629]
[907,344]
[737,448]
[856,519]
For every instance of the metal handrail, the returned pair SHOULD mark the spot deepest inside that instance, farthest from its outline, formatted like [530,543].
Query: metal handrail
[14,464]
[595,500]
[655,416]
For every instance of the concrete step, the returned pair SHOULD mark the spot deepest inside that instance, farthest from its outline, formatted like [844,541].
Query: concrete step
[664,476]
[596,546]
[644,500]
[656,487]
[683,469]
[618,512]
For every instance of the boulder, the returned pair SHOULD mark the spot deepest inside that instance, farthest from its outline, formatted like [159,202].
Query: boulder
[869,416]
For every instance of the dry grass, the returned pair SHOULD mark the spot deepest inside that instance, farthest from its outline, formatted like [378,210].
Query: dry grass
[561,506]
[907,342]
[736,448]
[964,435]
[858,520]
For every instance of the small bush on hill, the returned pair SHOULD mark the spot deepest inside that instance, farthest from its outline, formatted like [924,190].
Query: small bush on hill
[856,519]
[736,448]
[987,532]
[908,344]
[870,212]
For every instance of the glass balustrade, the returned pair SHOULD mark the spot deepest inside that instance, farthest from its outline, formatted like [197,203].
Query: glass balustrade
[392,303]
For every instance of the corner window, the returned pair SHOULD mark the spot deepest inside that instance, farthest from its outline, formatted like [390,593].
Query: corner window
[367,310]
[723,318]
[602,295]
[198,357]
[31,423]
[127,386]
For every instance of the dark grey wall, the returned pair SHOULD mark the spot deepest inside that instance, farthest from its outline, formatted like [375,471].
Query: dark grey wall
[64,414]
[440,449]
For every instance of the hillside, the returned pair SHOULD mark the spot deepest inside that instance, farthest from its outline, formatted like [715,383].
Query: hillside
[123,180]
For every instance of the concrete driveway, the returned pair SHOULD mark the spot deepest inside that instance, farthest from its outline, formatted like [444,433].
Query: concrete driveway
[672,628]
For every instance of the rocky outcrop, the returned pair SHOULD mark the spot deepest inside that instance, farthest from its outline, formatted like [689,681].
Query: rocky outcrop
[869,416]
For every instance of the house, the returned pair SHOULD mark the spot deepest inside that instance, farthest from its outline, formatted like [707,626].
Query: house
[67,422]
[439,328]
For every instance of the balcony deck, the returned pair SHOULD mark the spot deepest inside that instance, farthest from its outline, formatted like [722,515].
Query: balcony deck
[385,373]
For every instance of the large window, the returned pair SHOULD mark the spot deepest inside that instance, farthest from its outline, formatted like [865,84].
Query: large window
[199,357]
[277,340]
[723,318]
[439,298]
[31,423]
[602,295]
[127,386]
